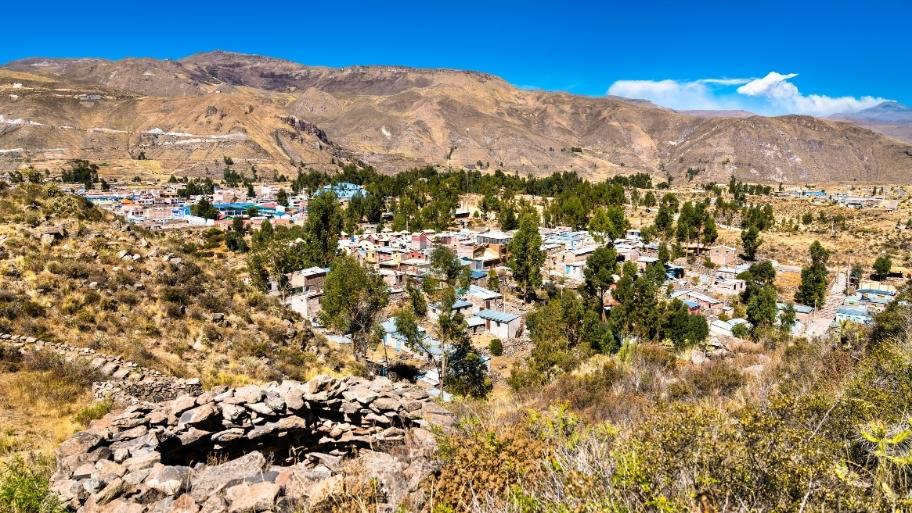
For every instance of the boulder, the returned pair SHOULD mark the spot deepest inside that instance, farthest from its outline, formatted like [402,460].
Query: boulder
[247,498]
[198,415]
[170,480]
[213,478]
[184,504]
[363,395]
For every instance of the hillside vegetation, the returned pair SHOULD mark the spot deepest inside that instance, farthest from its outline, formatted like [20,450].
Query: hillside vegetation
[824,427]
[177,302]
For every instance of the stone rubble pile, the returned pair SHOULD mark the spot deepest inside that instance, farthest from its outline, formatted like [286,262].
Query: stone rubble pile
[278,447]
[127,382]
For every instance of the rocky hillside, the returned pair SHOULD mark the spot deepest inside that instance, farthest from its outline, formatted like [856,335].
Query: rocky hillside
[184,115]
[72,273]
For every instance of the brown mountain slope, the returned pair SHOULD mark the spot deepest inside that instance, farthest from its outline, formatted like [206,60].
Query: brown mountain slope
[187,114]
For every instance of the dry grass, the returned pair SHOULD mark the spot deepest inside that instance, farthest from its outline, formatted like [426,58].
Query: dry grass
[37,411]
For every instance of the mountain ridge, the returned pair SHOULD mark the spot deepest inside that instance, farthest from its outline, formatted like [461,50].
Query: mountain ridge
[395,117]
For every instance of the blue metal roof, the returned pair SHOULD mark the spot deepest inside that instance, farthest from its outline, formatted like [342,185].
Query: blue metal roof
[858,312]
[460,304]
[882,292]
[493,315]
[483,293]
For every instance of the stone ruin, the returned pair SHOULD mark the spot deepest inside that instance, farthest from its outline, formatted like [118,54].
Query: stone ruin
[286,446]
[127,382]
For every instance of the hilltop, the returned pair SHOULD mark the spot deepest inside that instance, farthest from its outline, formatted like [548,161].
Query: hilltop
[889,118]
[180,116]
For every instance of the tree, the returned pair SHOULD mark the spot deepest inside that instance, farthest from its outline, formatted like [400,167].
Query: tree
[322,229]
[446,266]
[407,326]
[681,327]
[856,274]
[234,239]
[250,192]
[461,368]
[882,267]
[600,268]
[761,309]
[526,256]
[560,340]
[649,200]
[812,290]
[608,223]
[507,216]
[353,297]
[282,197]
[787,318]
[756,277]
[204,209]
[493,280]
[751,241]
[416,299]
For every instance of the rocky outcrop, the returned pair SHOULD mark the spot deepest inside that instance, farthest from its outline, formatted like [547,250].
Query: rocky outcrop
[126,383]
[279,447]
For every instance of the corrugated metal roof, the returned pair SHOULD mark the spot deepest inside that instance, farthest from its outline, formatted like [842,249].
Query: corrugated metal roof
[493,315]
[483,293]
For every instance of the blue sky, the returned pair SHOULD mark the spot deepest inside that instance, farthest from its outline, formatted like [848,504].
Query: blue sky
[825,55]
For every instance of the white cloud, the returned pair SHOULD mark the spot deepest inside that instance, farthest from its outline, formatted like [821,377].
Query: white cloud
[777,88]
[669,93]
[771,94]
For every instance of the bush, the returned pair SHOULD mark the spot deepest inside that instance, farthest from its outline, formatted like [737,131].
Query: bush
[496,347]
[716,377]
[94,411]
[24,487]
[589,393]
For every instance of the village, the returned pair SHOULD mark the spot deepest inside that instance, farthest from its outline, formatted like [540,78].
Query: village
[493,312]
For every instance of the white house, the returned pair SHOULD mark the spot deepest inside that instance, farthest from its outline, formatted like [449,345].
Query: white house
[503,325]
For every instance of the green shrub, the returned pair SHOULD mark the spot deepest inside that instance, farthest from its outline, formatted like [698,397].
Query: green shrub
[496,347]
[94,411]
[24,487]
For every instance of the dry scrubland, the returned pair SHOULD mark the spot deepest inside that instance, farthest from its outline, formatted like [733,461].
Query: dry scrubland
[181,307]
[175,302]
[189,314]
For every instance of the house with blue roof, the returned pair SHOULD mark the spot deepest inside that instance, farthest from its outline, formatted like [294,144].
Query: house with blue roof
[482,298]
[396,341]
[503,325]
[345,191]
[855,314]
[462,306]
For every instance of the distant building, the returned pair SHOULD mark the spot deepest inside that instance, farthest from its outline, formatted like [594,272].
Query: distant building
[855,314]
[722,255]
[345,191]
[306,290]
[503,325]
